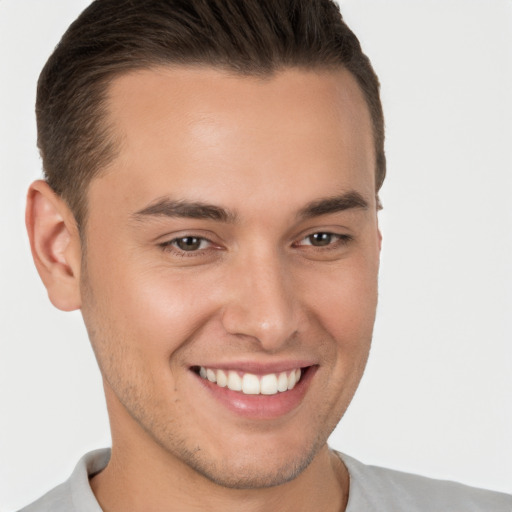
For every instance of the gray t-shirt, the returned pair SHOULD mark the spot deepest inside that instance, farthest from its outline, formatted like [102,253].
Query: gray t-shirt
[372,489]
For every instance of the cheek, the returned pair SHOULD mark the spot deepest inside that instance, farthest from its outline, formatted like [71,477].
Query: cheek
[152,310]
[345,301]
[344,306]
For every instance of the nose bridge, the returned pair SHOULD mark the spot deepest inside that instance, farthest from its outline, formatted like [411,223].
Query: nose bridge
[261,304]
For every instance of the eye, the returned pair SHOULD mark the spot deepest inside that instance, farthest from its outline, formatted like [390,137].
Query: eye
[320,239]
[188,243]
[324,239]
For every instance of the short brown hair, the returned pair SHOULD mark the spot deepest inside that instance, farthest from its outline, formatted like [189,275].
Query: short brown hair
[112,37]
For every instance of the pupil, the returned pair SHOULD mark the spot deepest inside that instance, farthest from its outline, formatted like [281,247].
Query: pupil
[189,243]
[320,239]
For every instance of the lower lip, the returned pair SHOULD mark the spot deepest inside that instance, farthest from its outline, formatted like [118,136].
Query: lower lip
[261,406]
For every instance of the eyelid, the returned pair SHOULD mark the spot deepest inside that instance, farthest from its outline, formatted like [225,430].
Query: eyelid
[181,237]
[186,232]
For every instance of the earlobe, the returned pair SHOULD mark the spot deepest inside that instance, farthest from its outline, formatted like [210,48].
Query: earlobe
[55,245]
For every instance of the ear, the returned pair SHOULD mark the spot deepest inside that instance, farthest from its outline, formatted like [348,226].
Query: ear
[55,245]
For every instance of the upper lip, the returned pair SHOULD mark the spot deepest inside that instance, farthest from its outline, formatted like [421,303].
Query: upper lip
[259,368]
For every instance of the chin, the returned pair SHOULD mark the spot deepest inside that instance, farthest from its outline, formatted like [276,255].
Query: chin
[251,474]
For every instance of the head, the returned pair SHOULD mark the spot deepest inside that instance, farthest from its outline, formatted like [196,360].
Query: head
[221,161]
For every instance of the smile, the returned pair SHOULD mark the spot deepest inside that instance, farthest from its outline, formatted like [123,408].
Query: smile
[251,384]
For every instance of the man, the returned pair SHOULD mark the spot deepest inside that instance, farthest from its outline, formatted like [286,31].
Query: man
[210,204]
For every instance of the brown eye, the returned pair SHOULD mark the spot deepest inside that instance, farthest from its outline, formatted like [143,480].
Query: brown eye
[320,239]
[325,239]
[189,243]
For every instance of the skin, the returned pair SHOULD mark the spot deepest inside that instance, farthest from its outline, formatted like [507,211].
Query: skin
[255,290]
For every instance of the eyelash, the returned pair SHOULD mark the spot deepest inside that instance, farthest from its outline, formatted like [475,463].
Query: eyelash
[171,246]
[340,241]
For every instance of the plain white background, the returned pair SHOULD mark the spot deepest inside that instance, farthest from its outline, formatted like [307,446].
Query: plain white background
[436,397]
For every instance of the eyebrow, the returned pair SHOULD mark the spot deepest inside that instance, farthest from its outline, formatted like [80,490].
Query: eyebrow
[334,204]
[166,207]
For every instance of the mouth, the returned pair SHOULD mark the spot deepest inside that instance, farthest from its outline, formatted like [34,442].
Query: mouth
[257,392]
[251,383]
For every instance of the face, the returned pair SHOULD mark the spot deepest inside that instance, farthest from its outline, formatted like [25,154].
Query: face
[233,243]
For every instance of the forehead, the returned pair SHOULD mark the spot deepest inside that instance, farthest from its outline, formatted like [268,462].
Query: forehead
[183,130]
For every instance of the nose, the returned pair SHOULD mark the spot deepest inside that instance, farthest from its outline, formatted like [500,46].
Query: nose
[260,301]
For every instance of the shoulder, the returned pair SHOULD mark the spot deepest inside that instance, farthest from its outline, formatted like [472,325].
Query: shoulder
[56,500]
[375,488]
[75,494]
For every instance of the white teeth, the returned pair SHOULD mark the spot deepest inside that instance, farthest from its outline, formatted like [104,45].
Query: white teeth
[234,381]
[282,382]
[268,384]
[222,379]
[291,380]
[251,384]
